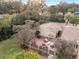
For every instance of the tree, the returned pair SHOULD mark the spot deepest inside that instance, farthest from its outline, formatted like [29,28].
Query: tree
[53,9]
[26,32]
[45,17]
[71,8]
[10,7]
[62,7]
[26,15]
[25,7]
[14,7]
[68,17]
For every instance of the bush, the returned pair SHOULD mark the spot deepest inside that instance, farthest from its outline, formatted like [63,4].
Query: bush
[19,19]
[67,50]
[75,20]
[24,55]
[45,16]
[6,20]
[5,26]
[26,15]
[57,18]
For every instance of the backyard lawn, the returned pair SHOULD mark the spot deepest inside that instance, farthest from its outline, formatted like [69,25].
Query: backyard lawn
[8,47]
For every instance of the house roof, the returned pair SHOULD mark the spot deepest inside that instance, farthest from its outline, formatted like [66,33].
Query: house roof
[50,29]
[69,32]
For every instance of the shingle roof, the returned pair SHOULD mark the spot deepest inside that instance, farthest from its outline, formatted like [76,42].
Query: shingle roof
[69,32]
[50,29]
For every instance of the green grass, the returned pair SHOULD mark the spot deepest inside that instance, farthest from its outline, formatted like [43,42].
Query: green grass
[8,47]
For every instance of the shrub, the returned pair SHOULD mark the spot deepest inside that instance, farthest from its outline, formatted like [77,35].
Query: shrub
[24,55]
[6,32]
[6,20]
[57,18]
[67,49]
[45,16]
[75,20]
[5,26]
[19,19]
[26,15]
